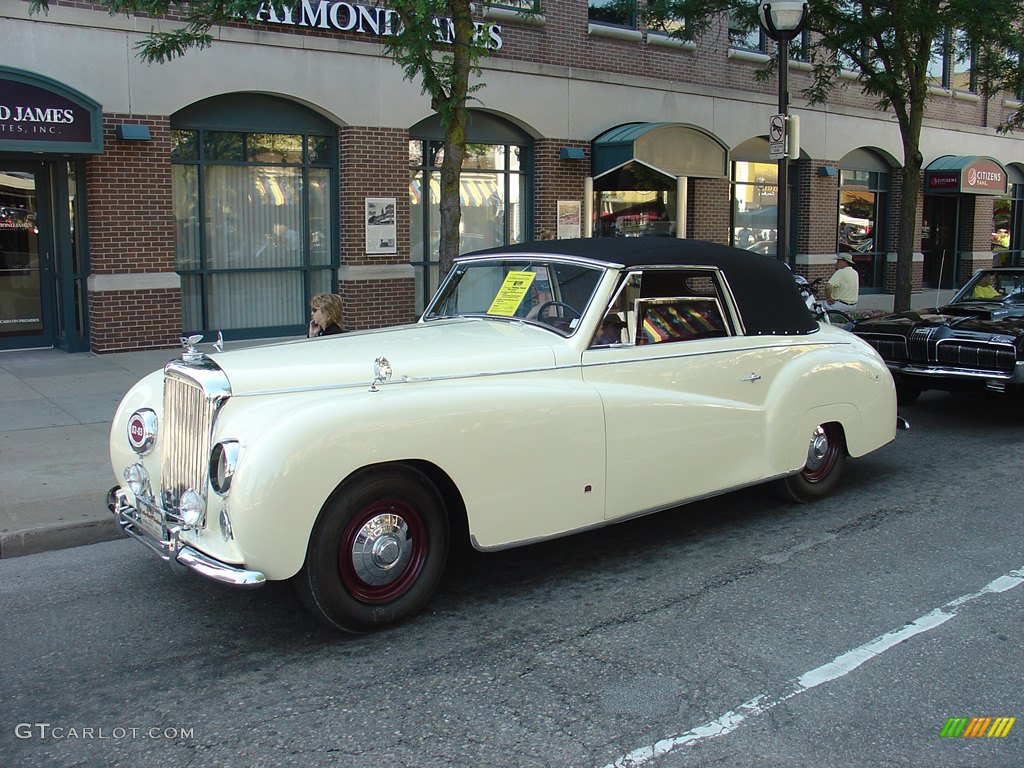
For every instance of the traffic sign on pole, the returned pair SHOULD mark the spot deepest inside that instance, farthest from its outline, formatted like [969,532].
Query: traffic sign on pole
[777,137]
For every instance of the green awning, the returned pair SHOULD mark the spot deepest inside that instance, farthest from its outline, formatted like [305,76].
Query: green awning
[673,149]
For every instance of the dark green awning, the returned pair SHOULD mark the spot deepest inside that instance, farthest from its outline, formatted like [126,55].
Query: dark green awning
[673,149]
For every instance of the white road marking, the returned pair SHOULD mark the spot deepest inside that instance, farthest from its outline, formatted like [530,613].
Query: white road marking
[826,673]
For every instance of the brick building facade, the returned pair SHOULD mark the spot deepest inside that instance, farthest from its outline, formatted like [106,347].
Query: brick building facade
[120,267]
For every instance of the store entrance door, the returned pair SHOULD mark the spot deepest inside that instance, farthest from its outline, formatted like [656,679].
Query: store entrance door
[26,283]
[939,236]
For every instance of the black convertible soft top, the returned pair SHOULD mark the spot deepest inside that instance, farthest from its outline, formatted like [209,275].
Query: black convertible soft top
[765,290]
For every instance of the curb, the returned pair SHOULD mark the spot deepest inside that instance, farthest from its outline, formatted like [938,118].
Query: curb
[58,536]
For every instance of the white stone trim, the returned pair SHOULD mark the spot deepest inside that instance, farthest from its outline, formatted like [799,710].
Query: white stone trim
[742,54]
[376,272]
[667,41]
[892,257]
[977,255]
[133,281]
[616,33]
[815,259]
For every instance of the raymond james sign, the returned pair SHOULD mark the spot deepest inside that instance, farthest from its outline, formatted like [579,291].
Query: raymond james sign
[360,19]
[29,113]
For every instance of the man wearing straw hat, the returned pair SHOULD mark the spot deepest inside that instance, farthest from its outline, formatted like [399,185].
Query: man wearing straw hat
[842,289]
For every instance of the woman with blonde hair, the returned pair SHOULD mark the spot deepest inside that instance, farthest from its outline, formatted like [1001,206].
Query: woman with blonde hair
[325,315]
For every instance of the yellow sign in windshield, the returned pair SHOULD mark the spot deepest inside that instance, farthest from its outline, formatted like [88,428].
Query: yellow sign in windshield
[511,293]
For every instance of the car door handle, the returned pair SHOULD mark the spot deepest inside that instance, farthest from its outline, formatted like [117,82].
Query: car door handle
[752,377]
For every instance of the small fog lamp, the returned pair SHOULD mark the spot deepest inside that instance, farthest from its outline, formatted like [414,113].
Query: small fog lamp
[138,479]
[225,526]
[190,507]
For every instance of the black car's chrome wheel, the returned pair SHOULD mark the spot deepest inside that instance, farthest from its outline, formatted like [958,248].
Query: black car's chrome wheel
[377,551]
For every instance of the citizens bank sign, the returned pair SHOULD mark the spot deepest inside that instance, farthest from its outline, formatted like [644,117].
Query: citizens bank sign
[965,176]
[363,20]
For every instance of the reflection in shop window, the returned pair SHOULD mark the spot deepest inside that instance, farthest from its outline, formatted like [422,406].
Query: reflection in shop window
[755,195]
[635,201]
[491,194]
[620,13]
[747,38]
[254,239]
[1007,224]
[860,227]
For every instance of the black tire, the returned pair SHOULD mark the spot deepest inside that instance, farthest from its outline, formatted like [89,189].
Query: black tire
[906,394]
[826,458]
[377,551]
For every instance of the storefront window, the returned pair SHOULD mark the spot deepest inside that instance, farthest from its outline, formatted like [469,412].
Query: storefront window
[1007,222]
[635,201]
[755,197]
[254,239]
[862,197]
[492,196]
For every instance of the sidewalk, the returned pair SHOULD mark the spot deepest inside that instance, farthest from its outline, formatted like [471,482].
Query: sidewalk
[55,415]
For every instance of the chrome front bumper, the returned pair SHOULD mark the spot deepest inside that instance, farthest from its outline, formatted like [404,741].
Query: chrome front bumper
[171,550]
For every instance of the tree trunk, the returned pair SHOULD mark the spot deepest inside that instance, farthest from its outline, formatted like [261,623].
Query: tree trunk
[908,231]
[455,120]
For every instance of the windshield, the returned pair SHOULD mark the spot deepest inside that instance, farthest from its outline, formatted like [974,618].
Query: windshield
[994,285]
[548,292]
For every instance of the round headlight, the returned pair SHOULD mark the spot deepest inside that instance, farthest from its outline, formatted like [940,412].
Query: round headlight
[190,507]
[138,479]
[223,462]
[142,428]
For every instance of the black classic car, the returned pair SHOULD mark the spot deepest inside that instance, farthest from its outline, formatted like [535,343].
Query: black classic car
[974,343]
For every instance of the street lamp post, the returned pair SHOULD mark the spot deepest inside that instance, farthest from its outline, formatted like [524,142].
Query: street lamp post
[782,21]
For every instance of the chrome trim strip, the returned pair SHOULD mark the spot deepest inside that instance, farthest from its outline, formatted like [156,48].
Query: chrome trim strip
[172,551]
[914,370]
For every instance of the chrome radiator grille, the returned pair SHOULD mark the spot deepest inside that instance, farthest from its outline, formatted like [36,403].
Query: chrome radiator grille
[190,409]
[977,355]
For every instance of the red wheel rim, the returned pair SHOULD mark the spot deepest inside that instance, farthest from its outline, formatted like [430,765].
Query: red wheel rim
[382,551]
[822,454]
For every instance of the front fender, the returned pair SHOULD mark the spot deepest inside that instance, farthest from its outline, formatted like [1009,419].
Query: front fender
[497,439]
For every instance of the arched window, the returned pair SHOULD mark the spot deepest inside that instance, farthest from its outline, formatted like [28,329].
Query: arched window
[495,193]
[255,205]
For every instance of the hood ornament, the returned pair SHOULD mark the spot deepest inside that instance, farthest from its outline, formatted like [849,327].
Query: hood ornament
[189,352]
[381,372]
[188,345]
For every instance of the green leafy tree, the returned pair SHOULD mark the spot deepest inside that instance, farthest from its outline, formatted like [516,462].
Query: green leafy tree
[436,41]
[889,45]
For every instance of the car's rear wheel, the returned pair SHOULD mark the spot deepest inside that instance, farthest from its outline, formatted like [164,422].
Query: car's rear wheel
[377,551]
[826,458]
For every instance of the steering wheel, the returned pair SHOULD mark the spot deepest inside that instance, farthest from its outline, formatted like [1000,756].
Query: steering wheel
[575,312]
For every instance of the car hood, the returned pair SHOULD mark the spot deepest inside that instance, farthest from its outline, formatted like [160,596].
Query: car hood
[968,319]
[443,348]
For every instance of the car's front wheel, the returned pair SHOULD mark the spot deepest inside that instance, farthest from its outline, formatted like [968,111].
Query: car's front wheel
[826,457]
[377,551]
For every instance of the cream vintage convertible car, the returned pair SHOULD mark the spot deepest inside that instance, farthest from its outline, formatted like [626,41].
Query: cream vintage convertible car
[548,388]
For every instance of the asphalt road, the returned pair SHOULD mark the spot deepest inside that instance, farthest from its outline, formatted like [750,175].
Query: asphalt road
[740,631]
